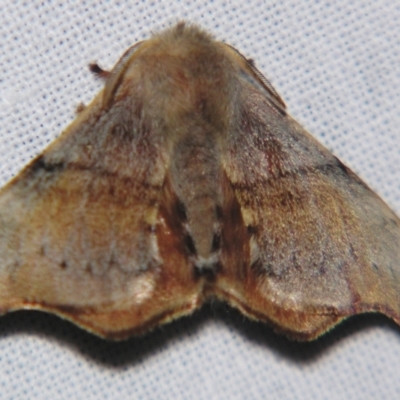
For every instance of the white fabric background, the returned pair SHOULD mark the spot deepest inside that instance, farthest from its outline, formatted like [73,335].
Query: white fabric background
[337,66]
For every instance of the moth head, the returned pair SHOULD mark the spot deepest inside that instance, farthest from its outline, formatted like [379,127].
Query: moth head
[174,74]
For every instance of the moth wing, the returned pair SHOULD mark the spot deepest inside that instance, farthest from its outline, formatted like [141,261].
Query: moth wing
[312,244]
[87,229]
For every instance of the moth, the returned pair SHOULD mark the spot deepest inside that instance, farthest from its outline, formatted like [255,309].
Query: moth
[184,180]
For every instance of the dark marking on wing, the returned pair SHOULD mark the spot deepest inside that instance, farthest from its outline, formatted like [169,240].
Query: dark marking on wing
[324,169]
[219,212]
[235,215]
[216,242]
[180,211]
[208,273]
[89,268]
[322,265]
[41,165]
[189,245]
[251,229]
[257,268]
[352,252]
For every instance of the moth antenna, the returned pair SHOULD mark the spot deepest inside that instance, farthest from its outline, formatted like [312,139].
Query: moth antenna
[98,71]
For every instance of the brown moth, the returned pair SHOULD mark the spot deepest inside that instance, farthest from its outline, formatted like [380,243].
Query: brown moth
[185,180]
